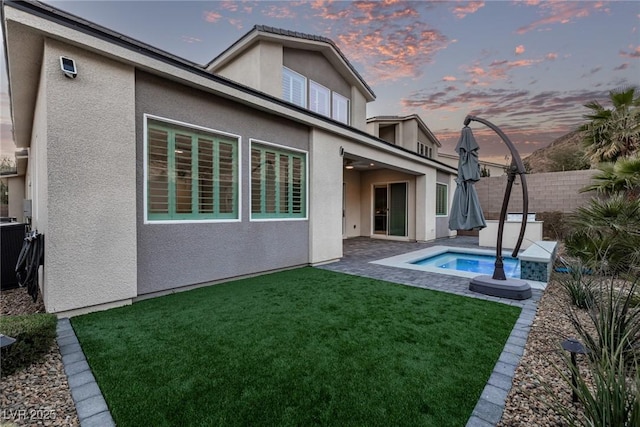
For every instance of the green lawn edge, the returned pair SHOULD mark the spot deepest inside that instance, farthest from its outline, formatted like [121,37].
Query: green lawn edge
[299,347]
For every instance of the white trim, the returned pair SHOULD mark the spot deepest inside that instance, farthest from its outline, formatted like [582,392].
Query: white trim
[318,89]
[146,220]
[292,76]
[448,203]
[306,180]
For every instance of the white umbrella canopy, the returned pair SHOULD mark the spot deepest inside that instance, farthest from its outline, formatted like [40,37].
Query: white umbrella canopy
[466,212]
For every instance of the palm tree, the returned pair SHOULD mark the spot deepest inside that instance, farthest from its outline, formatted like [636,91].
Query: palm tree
[613,133]
[622,176]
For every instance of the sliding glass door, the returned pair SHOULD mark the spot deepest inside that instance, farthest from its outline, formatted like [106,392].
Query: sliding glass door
[390,209]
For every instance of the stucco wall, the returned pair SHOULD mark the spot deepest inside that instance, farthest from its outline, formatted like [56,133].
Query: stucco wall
[548,192]
[352,209]
[259,67]
[90,155]
[315,66]
[325,202]
[175,255]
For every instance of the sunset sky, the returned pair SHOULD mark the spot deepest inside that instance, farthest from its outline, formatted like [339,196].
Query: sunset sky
[527,66]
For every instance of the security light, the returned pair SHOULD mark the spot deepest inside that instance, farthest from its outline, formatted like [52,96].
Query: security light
[68,67]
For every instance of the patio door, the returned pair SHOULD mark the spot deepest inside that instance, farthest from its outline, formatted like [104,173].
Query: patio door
[390,209]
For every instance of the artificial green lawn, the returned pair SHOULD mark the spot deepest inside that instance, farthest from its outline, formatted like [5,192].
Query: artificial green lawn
[300,347]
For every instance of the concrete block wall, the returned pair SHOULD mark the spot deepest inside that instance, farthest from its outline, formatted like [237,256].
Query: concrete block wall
[548,192]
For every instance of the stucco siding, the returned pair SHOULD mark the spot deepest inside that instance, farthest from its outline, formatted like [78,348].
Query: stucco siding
[325,189]
[315,66]
[91,170]
[259,67]
[352,199]
[182,254]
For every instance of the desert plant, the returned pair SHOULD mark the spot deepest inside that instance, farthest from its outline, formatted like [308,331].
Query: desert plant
[34,334]
[613,133]
[610,398]
[614,323]
[606,234]
[578,283]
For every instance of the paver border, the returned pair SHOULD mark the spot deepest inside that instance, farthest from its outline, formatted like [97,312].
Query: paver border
[90,405]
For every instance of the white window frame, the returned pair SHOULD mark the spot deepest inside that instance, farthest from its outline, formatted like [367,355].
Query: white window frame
[146,118]
[319,98]
[338,99]
[446,202]
[290,77]
[306,180]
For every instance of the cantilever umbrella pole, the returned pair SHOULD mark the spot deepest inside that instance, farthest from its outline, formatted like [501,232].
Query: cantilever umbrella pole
[498,273]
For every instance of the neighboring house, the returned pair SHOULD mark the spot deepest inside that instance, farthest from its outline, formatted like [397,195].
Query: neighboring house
[409,132]
[150,174]
[490,168]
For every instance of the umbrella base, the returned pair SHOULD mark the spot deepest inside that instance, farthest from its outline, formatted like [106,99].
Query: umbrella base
[510,288]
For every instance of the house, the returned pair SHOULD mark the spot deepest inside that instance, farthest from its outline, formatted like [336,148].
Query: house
[149,174]
[487,169]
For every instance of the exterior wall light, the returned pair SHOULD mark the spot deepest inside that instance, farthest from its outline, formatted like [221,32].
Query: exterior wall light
[68,67]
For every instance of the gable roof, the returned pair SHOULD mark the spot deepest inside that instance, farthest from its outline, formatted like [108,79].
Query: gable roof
[421,124]
[296,40]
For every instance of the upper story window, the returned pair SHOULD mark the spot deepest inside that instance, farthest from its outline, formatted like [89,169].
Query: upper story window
[340,108]
[191,173]
[320,99]
[294,87]
[424,150]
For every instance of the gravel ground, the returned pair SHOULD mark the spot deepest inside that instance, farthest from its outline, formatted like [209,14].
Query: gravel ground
[42,389]
[525,404]
[38,395]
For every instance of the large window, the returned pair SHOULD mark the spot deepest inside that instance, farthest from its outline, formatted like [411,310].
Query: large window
[191,174]
[442,198]
[294,87]
[278,182]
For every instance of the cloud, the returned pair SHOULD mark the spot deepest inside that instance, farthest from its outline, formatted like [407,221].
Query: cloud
[462,10]
[211,16]
[189,39]
[559,12]
[591,72]
[634,52]
[279,11]
[449,79]
[519,49]
[530,119]
[622,66]
[551,56]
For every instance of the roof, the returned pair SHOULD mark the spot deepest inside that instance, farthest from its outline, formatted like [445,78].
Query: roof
[416,117]
[183,70]
[296,40]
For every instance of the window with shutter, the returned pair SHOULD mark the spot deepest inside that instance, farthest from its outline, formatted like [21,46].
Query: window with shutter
[442,198]
[278,182]
[319,98]
[294,87]
[192,174]
[340,108]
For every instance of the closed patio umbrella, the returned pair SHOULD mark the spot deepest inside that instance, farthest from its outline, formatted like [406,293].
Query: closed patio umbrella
[466,212]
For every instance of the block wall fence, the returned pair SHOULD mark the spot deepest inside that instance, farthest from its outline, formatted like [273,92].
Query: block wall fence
[548,192]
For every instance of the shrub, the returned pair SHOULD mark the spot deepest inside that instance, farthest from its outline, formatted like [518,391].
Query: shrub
[554,225]
[34,334]
[578,283]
